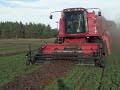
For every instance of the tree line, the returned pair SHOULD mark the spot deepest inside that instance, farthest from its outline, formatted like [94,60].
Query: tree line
[32,30]
[28,30]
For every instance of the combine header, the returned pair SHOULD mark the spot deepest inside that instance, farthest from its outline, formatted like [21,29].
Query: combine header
[81,37]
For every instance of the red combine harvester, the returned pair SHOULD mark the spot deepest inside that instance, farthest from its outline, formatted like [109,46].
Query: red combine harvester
[81,37]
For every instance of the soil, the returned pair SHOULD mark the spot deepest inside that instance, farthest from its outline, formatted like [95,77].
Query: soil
[38,79]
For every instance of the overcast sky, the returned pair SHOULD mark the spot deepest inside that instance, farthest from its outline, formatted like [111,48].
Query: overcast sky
[38,11]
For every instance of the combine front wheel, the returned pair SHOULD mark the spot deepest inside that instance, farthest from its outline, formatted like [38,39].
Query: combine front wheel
[102,61]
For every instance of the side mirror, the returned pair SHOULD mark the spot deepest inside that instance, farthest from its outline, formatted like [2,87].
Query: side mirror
[99,13]
[51,17]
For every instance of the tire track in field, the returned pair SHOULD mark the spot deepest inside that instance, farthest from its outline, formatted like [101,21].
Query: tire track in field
[112,82]
[80,81]
[38,79]
[102,75]
[100,83]
[86,76]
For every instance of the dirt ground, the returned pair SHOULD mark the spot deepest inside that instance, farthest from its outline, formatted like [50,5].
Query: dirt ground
[38,79]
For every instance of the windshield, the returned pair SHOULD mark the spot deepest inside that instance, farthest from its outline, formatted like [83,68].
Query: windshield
[74,22]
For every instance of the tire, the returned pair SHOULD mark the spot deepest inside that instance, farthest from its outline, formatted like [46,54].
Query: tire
[102,62]
[104,56]
[96,62]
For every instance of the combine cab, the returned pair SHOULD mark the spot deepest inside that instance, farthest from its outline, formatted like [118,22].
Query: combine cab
[80,37]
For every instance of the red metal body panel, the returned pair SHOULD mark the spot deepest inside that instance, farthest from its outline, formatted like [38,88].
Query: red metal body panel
[52,47]
[91,23]
[75,35]
[90,35]
[86,48]
[61,25]
[108,44]
[77,43]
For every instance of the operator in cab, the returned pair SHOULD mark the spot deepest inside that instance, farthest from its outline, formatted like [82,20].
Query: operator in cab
[74,22]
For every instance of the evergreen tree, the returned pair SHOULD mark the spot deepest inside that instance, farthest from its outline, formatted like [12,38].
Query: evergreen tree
[28,30]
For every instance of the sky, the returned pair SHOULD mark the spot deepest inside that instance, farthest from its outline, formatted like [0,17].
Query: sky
[38,11]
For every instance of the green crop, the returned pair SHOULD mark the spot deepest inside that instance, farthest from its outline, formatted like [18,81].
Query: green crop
[12,66]
[90,77]
[20,45]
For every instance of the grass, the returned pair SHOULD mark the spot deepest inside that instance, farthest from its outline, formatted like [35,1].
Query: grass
[20,45]
[79,77]
[111,77]
[15,65]
[12,66]
[89,77]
